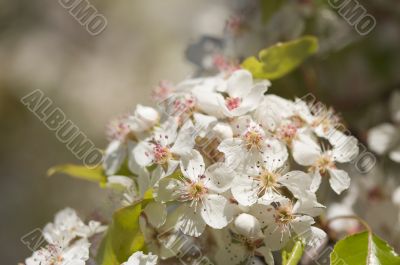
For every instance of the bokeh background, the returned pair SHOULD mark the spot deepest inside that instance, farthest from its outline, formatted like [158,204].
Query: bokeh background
[94,78]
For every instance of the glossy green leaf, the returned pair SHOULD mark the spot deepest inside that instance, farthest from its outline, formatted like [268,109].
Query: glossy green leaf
[363,248]
[123,236]
[95,174]
[293,257]
[282,58]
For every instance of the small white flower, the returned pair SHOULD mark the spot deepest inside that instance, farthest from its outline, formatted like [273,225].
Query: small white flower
[284,219]
[384,139]
[198,191]
[139,258]
[243,244]
[55,254]
[266,180]
[307,152]
[144,119]
[251,144]
[164,148]
[243,95]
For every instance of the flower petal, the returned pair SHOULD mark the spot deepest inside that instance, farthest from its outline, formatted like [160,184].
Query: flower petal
[156,213]
[297,182]
[219,177]
[217,211]
[339,180]
[115,155]
[192,165]
[190,221]
[245,190]
[305,150]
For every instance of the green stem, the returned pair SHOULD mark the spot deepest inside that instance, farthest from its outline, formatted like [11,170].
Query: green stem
[294,257]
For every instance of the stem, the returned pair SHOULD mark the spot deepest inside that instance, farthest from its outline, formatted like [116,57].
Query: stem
[354,217]
[294,257]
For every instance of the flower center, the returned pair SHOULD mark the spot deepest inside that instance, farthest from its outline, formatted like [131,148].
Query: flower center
[268,179]
[232,103]
[197,190]
[162,154]
[253,139]
[284,215]
[287,132]
[323,163]
[118,129]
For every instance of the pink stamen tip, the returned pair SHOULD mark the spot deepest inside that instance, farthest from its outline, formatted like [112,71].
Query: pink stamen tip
[232,103]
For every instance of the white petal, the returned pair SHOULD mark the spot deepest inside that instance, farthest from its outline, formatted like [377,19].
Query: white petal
[316,181]
[275,238]
[305,150]
[297,182]
[167,189]
[263,213]
[339,180]
[302,225]
[254,98]
[274,154]
[217,211]
[192,165]
[245,190]
[396,196]
[309,205]
[121,181]
[219,177]
[395,154]
[381,138]
[190,221]
[138,258]
[239,83]
[267,254]
[143,154]
[233,151]
[114,156]
[346,149]
[156,213]
[208,102]
[144,119]
[272,110]
[222,131]
[77,253]
[248,226]
[185,140]
[203,124]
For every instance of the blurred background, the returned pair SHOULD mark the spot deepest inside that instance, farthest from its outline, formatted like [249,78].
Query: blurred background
[95,78]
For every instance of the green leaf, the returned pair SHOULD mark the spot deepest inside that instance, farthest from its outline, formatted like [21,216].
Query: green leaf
[294,256]
[281,59]
[95,174]
[363,248]
[123,236]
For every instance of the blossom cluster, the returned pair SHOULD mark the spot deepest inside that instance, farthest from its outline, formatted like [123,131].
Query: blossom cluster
[225,158]
[67,240]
